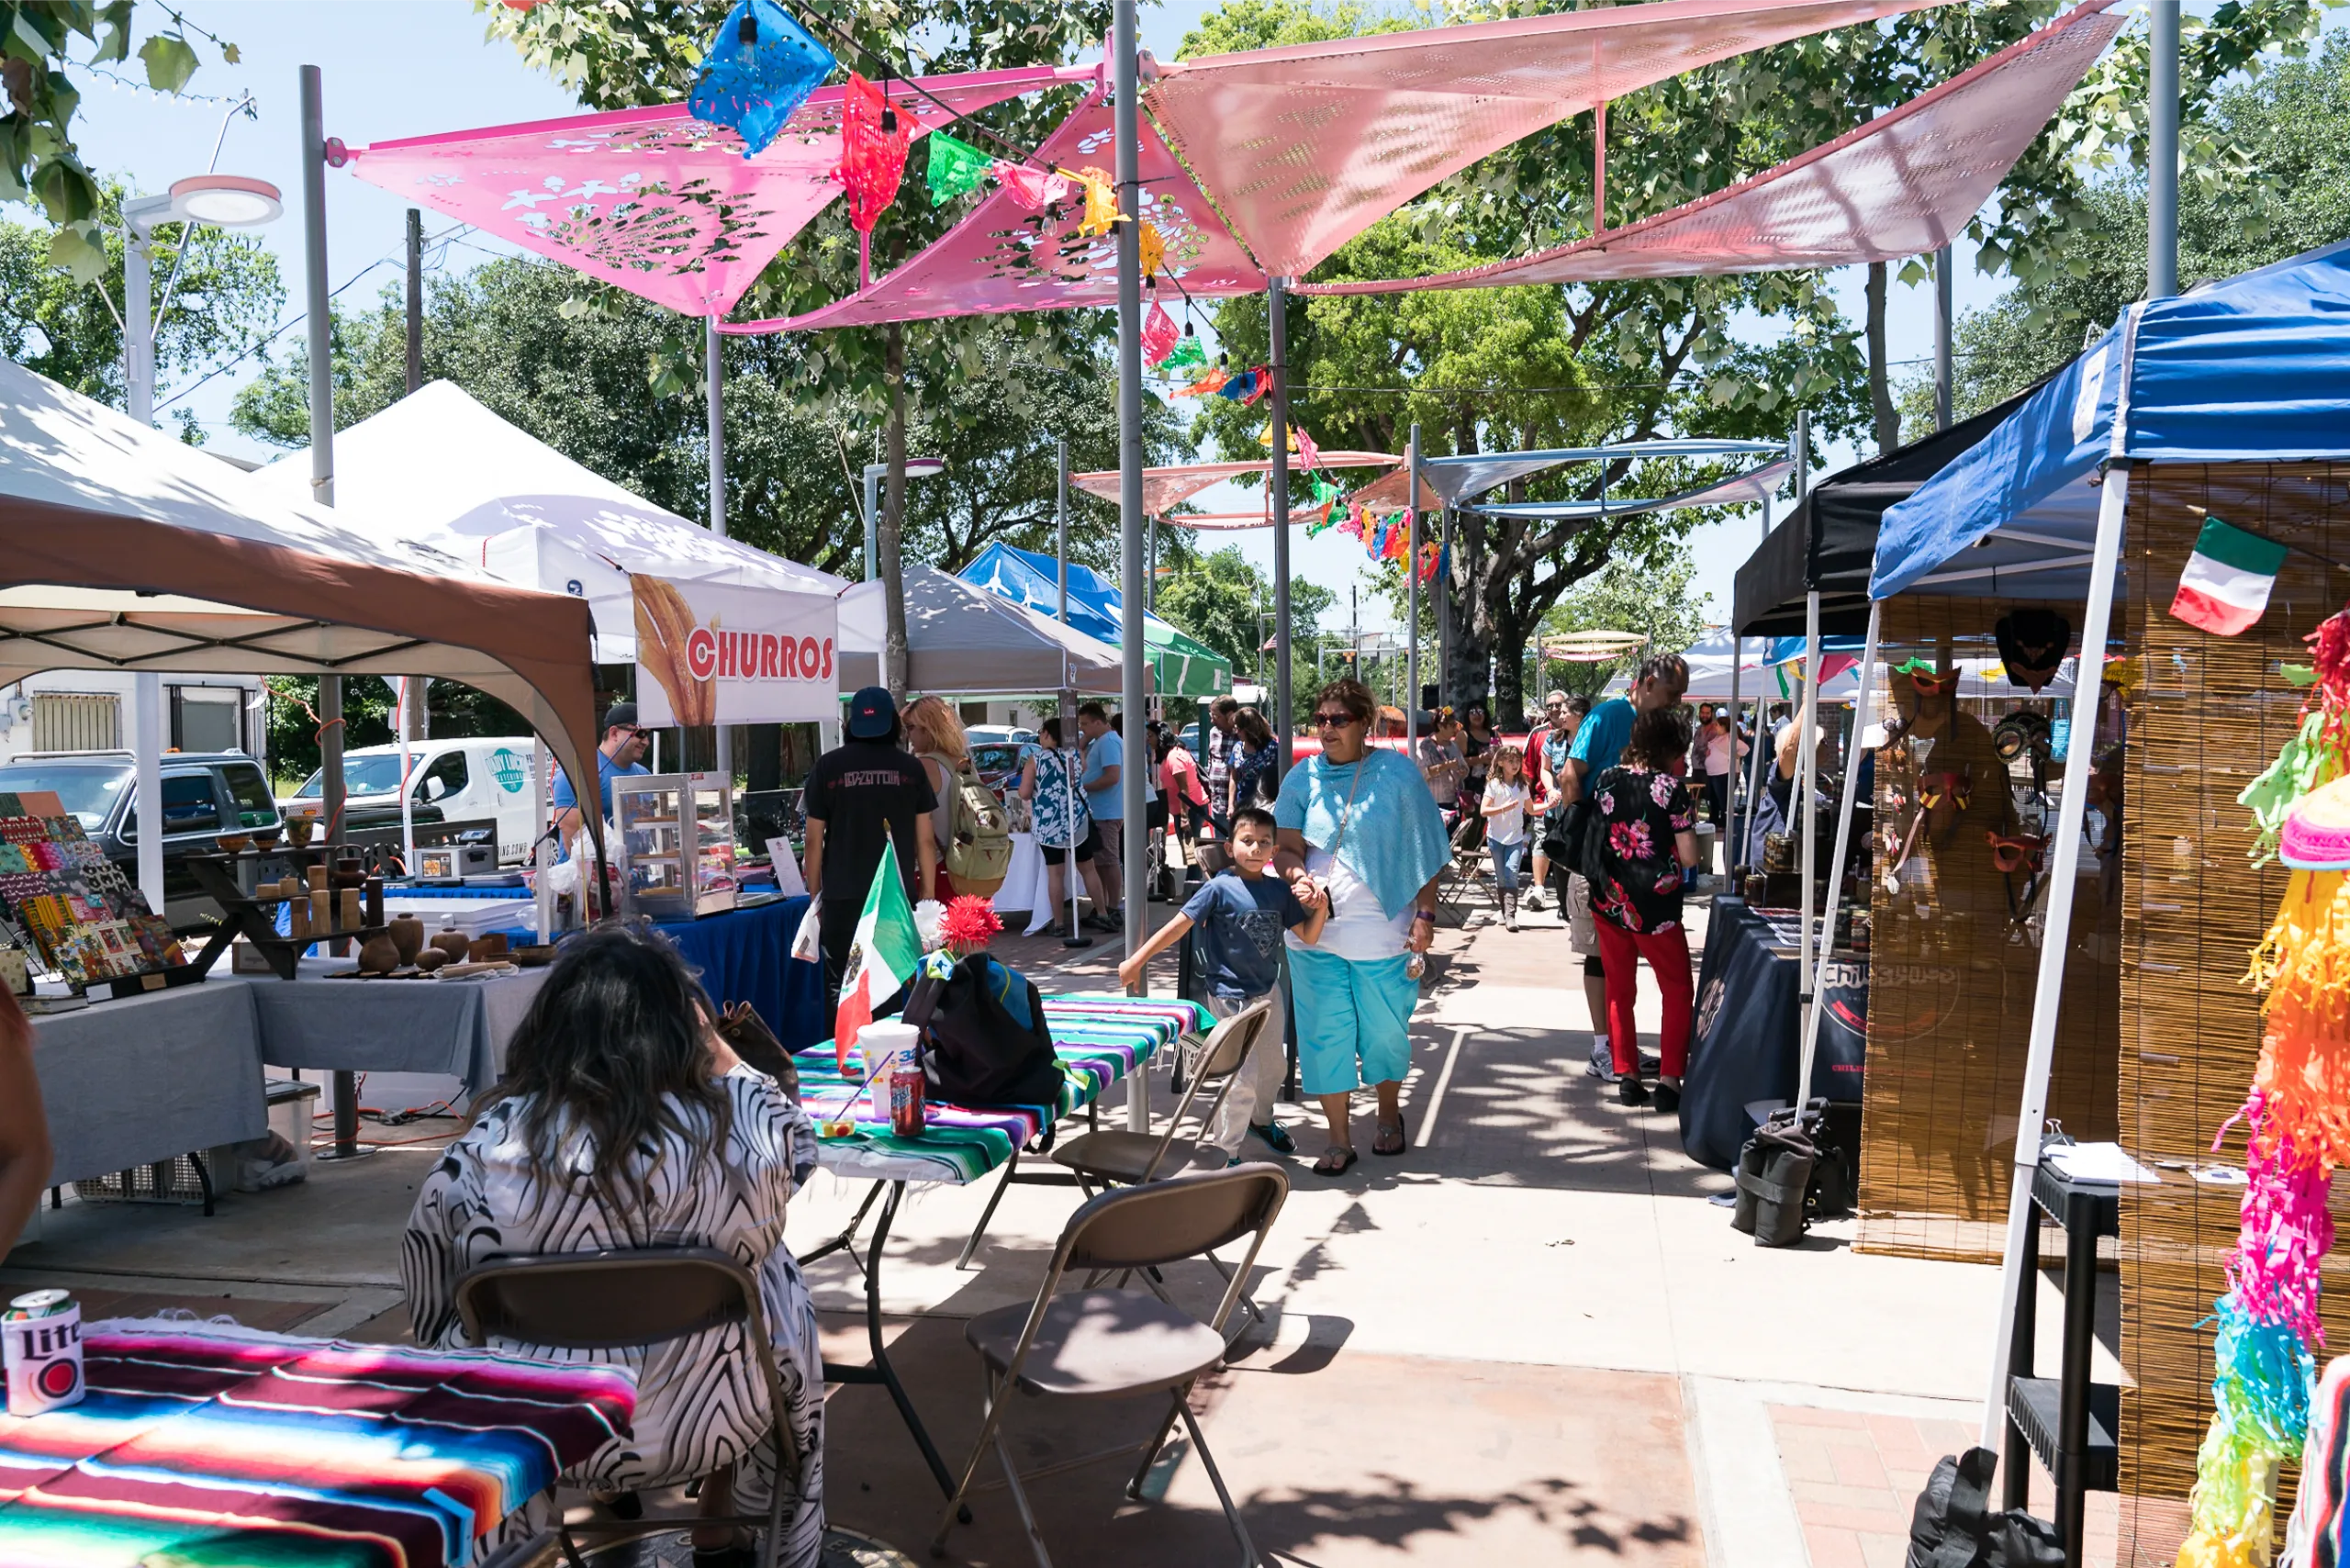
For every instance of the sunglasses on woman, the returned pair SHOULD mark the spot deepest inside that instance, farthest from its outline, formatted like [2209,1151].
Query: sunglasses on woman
[1335,720]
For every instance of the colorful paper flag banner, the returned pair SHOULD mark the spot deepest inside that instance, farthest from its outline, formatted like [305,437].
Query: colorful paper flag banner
[2225,587]
[757,72]
[955,167]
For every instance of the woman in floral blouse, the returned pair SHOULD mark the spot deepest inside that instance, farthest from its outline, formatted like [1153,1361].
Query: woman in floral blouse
[1646,827]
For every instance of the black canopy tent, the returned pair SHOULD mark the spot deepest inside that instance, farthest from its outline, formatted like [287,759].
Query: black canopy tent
[1828,542]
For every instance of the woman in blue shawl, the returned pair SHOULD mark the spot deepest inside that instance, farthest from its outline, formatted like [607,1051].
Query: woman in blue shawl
[1358,825]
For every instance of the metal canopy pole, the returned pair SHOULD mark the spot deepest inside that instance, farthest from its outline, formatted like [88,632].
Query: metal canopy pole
[1728,827]
[1284,701]
[2017,1269]
[1941,339]
[1817,976]
[1806,784]
[715,373]
[1075,939]
[415,299]
[2161,155]
[1412,603]
[1130,511]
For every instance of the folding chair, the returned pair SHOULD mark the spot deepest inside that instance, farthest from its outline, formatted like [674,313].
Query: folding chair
[636,1296]
[1114,1156]
[1107,1344]
[1466,868]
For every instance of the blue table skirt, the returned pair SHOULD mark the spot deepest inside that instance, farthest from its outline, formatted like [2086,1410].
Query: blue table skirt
[745,956]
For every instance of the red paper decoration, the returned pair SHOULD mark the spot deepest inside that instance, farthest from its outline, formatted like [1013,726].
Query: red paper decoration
[874,141]
[1159,334]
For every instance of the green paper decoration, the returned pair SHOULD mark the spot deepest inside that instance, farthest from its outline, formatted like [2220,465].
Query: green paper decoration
[1323,490]
[956,166]
[1187,351]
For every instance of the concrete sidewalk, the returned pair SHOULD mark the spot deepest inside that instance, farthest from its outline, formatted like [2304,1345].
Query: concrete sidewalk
[1530,1339]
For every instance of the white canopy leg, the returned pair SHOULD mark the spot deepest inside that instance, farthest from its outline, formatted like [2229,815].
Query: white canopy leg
[1724,829]
[147,747]
[2015,1270]
[1818,977]
[1806,788]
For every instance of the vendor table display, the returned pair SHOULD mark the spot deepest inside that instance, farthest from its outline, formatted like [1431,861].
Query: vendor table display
[80,916]
[454,1028]
[1100,1039]
[207,1443]
[150,1078]
[1746,1044]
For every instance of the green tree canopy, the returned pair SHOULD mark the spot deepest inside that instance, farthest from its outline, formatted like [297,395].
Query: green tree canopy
[1650,596]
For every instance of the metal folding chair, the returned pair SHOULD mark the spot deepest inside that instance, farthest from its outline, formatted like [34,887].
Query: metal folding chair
[1114,1157]
[635,1296]
[1105,1344]
[1465,871]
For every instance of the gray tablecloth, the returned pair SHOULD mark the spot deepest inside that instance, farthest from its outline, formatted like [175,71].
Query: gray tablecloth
[127,1082]
[453,1027]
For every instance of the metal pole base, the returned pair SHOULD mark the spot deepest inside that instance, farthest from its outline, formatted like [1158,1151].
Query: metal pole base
[346,1121]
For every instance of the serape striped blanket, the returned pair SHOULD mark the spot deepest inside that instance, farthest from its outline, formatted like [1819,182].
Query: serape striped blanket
[207,1444]
[1100,1039]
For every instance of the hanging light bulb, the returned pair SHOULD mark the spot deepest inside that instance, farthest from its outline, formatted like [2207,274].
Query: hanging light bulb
[748,31]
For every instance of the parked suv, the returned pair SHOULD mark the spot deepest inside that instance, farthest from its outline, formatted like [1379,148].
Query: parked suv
[205,794]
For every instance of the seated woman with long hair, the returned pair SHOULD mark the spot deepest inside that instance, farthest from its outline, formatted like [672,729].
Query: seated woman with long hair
[623,1121]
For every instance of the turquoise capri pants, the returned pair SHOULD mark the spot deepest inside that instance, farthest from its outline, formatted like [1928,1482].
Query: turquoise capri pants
[1350,1016]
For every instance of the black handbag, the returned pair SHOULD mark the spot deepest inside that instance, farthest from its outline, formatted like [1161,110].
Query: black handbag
[985,1040]
[742,1027]
[1953,1527]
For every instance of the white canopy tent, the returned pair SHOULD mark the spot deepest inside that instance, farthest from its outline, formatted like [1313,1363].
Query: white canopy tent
[129,550]
[440,470]
[962,640]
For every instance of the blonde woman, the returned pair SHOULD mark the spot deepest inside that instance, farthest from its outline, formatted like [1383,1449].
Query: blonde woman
[934,735]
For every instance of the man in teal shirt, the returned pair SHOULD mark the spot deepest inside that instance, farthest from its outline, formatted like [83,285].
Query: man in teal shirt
[1660,684]
[1105,797]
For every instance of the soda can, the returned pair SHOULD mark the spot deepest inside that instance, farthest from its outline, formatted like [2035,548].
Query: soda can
[906,1097]
[43,1351]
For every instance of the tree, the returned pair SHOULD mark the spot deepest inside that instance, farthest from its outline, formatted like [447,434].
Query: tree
[2292,124]
[68,327]
[1224,600]
[38,162]
[577,380]
[1650,596]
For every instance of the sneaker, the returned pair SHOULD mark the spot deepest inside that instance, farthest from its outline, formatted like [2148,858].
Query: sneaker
[1534,900]
[1631,1091]
[1275,1137]
[1602,1065]
[1668,1099]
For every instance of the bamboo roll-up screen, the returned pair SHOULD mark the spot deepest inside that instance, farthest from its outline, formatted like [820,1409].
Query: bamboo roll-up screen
[2212,714]
[1954,957]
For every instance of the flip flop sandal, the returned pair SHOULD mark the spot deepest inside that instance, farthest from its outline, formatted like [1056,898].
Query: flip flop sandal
[1347,1157]
[1402,1140]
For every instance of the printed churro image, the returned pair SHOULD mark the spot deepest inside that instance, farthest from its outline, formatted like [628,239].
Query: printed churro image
[664,626]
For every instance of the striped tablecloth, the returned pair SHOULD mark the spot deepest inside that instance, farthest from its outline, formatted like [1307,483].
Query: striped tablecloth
[202,1443]
[1100,1039]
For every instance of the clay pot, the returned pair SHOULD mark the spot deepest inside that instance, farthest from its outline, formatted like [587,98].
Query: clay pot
[487,950]
[379,955]
[406,933]
[430,959]
[453,944]
[350,872]
[298,830]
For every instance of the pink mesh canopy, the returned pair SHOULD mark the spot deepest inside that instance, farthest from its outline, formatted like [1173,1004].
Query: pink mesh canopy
[1163,489]
[1902,184]
[1307,145]
[1004,257]
[653,200]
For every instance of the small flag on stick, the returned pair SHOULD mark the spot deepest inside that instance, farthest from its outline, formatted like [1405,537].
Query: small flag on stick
[2225,587]
[886,947]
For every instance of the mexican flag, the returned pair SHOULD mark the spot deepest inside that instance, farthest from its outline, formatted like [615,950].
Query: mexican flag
[887,949]
[2225,587]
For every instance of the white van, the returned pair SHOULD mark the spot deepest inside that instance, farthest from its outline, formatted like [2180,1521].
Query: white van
[478,780]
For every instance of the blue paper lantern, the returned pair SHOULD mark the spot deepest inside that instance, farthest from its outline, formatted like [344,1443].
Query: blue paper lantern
[760,67]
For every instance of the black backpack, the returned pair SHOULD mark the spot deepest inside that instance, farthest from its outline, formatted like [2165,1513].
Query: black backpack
[984,1036]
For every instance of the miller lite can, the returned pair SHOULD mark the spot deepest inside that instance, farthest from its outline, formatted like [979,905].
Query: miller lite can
[44,1345]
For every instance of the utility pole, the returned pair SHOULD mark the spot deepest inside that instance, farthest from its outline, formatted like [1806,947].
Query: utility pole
[415,300]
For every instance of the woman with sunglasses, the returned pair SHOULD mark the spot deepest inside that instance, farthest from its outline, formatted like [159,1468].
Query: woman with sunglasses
[1357,823]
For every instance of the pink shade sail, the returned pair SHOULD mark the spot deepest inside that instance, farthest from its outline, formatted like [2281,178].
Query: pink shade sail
[653,200]
[1165,489]
[1307,145]
[1902,184]
[1004,257]
[1231,521]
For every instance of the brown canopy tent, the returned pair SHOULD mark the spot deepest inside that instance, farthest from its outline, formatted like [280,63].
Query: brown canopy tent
[123,549]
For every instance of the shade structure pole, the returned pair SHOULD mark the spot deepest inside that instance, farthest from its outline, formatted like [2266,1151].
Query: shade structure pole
[1942,368]
[1068,695]
[872,545]
[1132,667]
[415,299]
[1728,827]
[714,372]
[2162,154]
[1836,863]
[1411,605]
[1806,783]
[2080,739]
[147,747]
[1284,701]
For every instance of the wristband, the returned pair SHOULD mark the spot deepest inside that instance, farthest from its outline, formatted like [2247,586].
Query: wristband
[1427,914]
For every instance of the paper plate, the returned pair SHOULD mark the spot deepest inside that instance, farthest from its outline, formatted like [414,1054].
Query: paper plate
[2317,830]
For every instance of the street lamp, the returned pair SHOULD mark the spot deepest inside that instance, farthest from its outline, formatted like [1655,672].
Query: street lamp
[916,468]
[226,201]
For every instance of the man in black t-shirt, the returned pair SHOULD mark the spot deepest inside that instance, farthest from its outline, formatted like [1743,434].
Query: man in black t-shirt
[868,792]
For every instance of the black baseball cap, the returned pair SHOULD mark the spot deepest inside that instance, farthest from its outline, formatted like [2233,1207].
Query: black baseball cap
[620,716]
[872,714]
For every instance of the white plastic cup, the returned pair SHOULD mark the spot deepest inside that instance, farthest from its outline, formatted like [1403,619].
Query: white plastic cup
[883,1042]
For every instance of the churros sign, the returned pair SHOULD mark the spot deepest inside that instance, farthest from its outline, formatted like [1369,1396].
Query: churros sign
[716,654]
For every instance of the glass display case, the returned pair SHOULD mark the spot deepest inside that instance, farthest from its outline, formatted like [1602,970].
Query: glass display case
[676,851]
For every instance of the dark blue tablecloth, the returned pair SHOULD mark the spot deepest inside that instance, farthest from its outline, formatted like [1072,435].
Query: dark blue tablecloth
[1747,1044]
[745,956]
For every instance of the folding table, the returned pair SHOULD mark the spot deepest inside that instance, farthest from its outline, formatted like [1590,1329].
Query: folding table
[1101,1040]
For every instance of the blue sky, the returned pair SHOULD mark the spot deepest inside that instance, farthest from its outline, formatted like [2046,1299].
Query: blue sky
[398,68]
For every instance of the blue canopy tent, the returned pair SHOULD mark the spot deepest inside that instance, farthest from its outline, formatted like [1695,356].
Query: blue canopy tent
[1182,666]
[2254,370]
